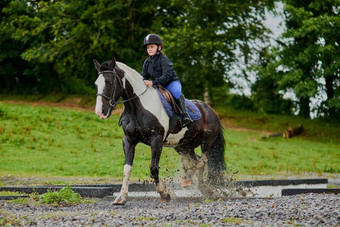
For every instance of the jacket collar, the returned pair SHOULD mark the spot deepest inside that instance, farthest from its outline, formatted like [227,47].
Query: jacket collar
[156,56]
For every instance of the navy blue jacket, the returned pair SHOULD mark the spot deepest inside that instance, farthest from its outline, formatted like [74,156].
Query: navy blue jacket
[160,69]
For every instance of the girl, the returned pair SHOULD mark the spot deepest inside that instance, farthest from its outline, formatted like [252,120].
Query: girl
[160,69]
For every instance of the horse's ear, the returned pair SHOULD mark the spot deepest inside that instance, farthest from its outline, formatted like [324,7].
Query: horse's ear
[96,64]
[113,63]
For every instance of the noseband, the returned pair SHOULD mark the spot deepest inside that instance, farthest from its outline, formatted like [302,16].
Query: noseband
[112,102]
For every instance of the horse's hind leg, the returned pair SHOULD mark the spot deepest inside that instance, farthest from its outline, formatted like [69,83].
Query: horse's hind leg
[208,140]
[190,164]
[200,164]
[189,161]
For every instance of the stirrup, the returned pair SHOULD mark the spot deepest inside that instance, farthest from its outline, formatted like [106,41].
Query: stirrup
[186,121]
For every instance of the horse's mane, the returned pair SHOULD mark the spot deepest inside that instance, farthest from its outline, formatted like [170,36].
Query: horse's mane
[126,69]
[132,76]
[129,72]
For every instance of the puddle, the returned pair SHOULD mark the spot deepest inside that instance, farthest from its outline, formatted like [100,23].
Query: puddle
[232,189]
[276,191]
[252,192]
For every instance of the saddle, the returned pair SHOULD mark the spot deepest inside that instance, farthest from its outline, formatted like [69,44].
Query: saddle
[171,100]
[174,111]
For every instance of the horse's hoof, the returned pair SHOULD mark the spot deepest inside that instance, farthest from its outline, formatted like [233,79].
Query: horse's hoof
[166,198]
[186,183]
[119,202]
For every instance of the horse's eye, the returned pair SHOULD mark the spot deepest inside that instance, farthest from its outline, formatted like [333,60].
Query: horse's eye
[109,82]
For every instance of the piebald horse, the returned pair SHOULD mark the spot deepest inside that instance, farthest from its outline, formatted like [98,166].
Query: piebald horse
[145,120]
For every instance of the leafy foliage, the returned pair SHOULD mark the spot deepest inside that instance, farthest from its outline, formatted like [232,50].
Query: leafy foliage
[265,91]
[48,47]
[59,39]
[64,196]
[307,60]
[205,38]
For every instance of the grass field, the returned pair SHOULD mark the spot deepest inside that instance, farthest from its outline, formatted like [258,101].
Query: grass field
[47,141]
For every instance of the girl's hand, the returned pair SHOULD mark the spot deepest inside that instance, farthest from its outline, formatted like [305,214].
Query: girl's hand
[148,83]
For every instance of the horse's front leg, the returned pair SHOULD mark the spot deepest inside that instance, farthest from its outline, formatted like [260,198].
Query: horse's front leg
[129,151]
[156,148]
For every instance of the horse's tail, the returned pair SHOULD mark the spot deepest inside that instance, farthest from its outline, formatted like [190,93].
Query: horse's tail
[216,163]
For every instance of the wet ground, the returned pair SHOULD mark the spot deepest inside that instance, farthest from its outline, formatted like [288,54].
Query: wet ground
[305,210]
[187,208]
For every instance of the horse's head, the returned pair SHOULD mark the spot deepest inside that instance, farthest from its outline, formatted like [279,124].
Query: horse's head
[109,87]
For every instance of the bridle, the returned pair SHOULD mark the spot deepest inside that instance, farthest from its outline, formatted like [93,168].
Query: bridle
[112,102]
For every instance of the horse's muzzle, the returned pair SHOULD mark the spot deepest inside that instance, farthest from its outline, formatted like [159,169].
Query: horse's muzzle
[100,114]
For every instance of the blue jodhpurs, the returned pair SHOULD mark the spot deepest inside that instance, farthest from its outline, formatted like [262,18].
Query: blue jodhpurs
[175,87]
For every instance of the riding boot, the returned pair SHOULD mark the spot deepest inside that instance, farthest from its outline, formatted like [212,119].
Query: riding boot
[186,120]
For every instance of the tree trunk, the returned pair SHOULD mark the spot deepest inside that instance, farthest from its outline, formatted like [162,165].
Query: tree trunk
[207,99]
[330,95]
[304,107]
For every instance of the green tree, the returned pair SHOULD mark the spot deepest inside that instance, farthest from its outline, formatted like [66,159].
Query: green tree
[62,37]
[325,22]
[205,38]
[309,53]
[266,90]
[18,75]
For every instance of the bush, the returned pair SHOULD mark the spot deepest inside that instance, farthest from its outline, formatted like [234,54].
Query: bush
[241,102]
[65,196]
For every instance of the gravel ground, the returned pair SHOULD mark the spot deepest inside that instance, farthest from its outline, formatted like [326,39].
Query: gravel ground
[305,210]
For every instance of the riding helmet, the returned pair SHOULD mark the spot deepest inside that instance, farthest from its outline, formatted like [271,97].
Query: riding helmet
[153,39]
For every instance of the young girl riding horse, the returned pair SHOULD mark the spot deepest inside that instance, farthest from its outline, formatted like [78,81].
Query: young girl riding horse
[160,69]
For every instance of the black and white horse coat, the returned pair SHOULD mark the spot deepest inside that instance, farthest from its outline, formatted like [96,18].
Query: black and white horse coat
[145,120]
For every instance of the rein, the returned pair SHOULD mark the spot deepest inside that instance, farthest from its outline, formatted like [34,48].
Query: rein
[112,102]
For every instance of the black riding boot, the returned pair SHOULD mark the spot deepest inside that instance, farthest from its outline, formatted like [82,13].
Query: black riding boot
[186,120]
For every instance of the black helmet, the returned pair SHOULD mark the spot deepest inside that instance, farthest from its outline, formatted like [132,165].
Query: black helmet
[153,39]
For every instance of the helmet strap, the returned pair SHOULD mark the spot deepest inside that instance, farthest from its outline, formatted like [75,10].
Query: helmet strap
[158,50]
